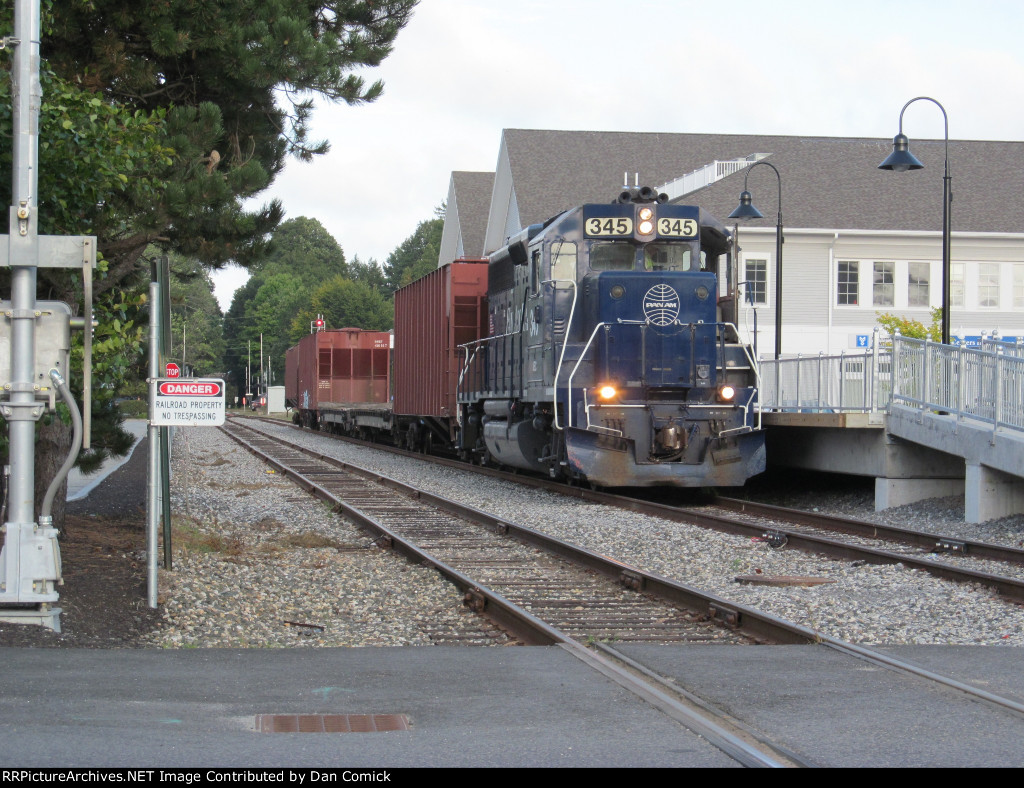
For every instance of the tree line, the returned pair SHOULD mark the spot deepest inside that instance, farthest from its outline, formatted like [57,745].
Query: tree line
[306,274]
[159,124]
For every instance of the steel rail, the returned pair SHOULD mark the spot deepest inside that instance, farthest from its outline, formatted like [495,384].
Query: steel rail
[1007,587]
[935,542]
[756,623]
[704,722]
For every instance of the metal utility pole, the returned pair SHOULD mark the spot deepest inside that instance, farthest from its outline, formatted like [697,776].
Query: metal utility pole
[23,250]
[39,336]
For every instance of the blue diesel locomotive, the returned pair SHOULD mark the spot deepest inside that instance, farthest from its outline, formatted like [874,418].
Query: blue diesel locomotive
[612,356]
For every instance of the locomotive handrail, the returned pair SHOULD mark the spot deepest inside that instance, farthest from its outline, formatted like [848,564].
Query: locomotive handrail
[568,384]
[746,350]
[469,360]
[561,357]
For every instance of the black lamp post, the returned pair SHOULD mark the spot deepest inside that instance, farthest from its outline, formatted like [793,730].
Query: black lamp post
[746,210]
[901,160]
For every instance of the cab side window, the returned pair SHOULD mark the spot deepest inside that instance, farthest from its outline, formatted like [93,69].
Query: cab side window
[563,263]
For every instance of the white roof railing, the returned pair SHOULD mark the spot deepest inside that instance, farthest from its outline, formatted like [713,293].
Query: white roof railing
[706,175]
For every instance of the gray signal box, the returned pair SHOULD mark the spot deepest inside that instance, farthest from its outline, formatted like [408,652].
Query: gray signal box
[53,346]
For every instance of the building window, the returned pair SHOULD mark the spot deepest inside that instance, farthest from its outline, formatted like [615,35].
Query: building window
[956,284]
[917,284]
[884,284]
[848,286]
[988,284]
[757,282]
[1018,286]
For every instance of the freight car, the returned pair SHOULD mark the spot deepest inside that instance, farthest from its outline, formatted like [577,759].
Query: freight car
[330,372]
[597,347]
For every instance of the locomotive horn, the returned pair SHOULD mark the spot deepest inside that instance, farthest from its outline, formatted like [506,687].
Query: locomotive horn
[625,196]
[647,194]
[662,198]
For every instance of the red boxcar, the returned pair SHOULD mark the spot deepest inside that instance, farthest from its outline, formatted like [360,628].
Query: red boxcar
[433,316]
[339,366]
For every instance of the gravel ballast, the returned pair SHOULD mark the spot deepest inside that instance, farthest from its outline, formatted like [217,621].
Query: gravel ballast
[866,604]
[260,563]
[263,565]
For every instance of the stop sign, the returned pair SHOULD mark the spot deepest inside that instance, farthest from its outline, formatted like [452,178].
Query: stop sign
[172,370]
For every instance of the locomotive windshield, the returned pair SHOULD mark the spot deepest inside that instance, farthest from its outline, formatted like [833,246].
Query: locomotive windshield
[667,257]
[612,257]
[619,256]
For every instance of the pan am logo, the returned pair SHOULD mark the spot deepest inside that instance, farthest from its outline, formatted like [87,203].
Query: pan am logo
[661,305]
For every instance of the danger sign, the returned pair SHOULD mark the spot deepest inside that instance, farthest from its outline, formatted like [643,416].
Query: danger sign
[191,388]
[187,403]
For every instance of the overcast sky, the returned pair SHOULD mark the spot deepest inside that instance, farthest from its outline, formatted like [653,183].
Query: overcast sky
[463,70]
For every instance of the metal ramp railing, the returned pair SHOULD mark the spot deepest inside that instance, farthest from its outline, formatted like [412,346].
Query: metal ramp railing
[984,384]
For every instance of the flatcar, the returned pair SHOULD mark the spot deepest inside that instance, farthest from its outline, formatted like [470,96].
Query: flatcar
[599,347]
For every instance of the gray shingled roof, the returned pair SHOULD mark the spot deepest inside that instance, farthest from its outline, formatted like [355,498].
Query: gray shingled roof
[827,182]
[473,196]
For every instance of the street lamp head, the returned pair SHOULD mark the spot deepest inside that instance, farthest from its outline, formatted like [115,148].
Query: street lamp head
[901,159]
[746,209]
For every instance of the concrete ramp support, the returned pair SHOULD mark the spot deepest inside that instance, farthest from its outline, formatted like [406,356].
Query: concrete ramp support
[913,455]
[890,493]
[991,494]
[993,458]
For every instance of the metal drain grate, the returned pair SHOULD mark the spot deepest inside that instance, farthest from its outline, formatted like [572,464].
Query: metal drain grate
[331,723]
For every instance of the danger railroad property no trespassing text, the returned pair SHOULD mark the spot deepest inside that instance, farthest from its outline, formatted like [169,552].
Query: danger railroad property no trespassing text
[195,402]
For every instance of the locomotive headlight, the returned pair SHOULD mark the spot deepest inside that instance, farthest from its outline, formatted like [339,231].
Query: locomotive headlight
[646,225]
[607,392]
[726,393]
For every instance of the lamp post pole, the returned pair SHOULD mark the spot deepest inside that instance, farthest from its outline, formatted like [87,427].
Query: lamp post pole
[901,160]
[746,210]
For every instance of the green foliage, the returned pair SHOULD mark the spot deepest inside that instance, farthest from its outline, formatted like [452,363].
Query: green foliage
[303,248]
[259,60]
[914,329]
[346,304]
[159,122]
[134,408]
[417,255]
[197,329]
[117,351]
[369,273]
[97,158]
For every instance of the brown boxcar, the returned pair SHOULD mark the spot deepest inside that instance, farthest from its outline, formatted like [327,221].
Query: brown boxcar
[344,365]
[433,316]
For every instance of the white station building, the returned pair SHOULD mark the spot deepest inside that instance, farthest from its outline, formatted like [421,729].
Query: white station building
[859,241]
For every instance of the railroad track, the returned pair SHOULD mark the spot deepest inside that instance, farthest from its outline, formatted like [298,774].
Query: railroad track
[954,559]
[566,596]
[601,625]
[584,596]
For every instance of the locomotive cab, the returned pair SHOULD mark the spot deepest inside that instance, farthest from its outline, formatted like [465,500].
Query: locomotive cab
[607,358]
